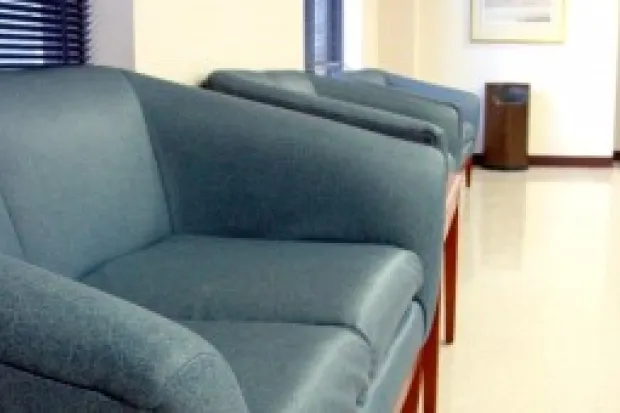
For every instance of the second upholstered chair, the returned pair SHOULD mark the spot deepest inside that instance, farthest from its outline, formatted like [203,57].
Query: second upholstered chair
[466,103]
[366,106]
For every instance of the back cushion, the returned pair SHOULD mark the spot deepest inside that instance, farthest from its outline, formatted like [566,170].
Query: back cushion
[290,80]
[369,76]
[77,170]
[295,81]
[8,239]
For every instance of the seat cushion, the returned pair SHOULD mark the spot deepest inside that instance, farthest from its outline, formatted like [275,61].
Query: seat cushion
[366,288]
[291,367]
[386,389]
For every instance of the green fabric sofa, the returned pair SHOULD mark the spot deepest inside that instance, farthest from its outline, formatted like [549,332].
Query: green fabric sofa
[362,104]
[166,249]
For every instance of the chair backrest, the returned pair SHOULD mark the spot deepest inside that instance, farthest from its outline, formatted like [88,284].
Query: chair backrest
[366,75]
[295,81]
[290,80]
[78,178]
[468,103]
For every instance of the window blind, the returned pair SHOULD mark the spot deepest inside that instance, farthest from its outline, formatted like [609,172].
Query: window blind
[43,33]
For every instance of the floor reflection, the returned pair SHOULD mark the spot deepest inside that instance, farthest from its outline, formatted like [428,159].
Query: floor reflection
[538,325]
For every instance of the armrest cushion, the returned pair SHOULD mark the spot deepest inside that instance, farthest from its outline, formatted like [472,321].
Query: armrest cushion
[233,167]
[60,329]
[365,117]
[444,115]
[468,103]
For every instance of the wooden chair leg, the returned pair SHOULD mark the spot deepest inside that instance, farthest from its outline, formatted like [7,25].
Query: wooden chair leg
[450,276]
[430,366]
[468,172]
[413,396]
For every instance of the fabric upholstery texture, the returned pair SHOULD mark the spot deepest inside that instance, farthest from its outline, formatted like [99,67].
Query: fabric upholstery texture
[364,288]
[298,91]
[377,77]
[307,179]
[78,173]
[286,368]
[23,392]
[398,365]
[468,104]
[105,172]
[9,244]
[395,101]
[55,327]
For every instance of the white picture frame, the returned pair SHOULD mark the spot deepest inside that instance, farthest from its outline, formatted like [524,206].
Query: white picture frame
[518,21]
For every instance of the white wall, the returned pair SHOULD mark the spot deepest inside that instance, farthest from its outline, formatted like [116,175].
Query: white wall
[353,34]
[185,42]
[574,84]
[617,142]
[112,34]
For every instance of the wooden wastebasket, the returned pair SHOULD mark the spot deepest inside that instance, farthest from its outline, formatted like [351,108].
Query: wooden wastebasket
[506,126]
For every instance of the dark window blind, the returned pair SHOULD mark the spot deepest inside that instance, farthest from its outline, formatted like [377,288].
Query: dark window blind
[39,33]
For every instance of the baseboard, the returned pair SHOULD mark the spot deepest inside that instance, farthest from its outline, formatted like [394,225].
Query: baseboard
[617,156]
[563,161]
[571,161]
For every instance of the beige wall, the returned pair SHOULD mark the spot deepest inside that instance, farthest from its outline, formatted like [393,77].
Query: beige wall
[184,43]
[391,35]
[397,28]
[574,84]
[371,33]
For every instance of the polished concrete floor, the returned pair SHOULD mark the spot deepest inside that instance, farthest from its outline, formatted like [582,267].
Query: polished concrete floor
[538,326]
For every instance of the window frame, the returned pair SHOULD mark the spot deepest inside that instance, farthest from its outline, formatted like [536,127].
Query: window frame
[334,37]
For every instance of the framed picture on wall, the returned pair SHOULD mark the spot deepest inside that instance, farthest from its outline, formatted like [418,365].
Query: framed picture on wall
[518,21]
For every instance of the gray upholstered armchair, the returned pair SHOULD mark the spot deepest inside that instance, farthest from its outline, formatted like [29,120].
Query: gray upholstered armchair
[364,105]
[466,103]
[166,249]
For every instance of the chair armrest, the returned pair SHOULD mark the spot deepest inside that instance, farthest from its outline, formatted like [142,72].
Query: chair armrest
[234,167]
[365,117]
[468,103]
[444,115]
[59,329]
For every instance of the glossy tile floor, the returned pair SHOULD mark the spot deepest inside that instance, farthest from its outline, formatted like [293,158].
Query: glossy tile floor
[538,326]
